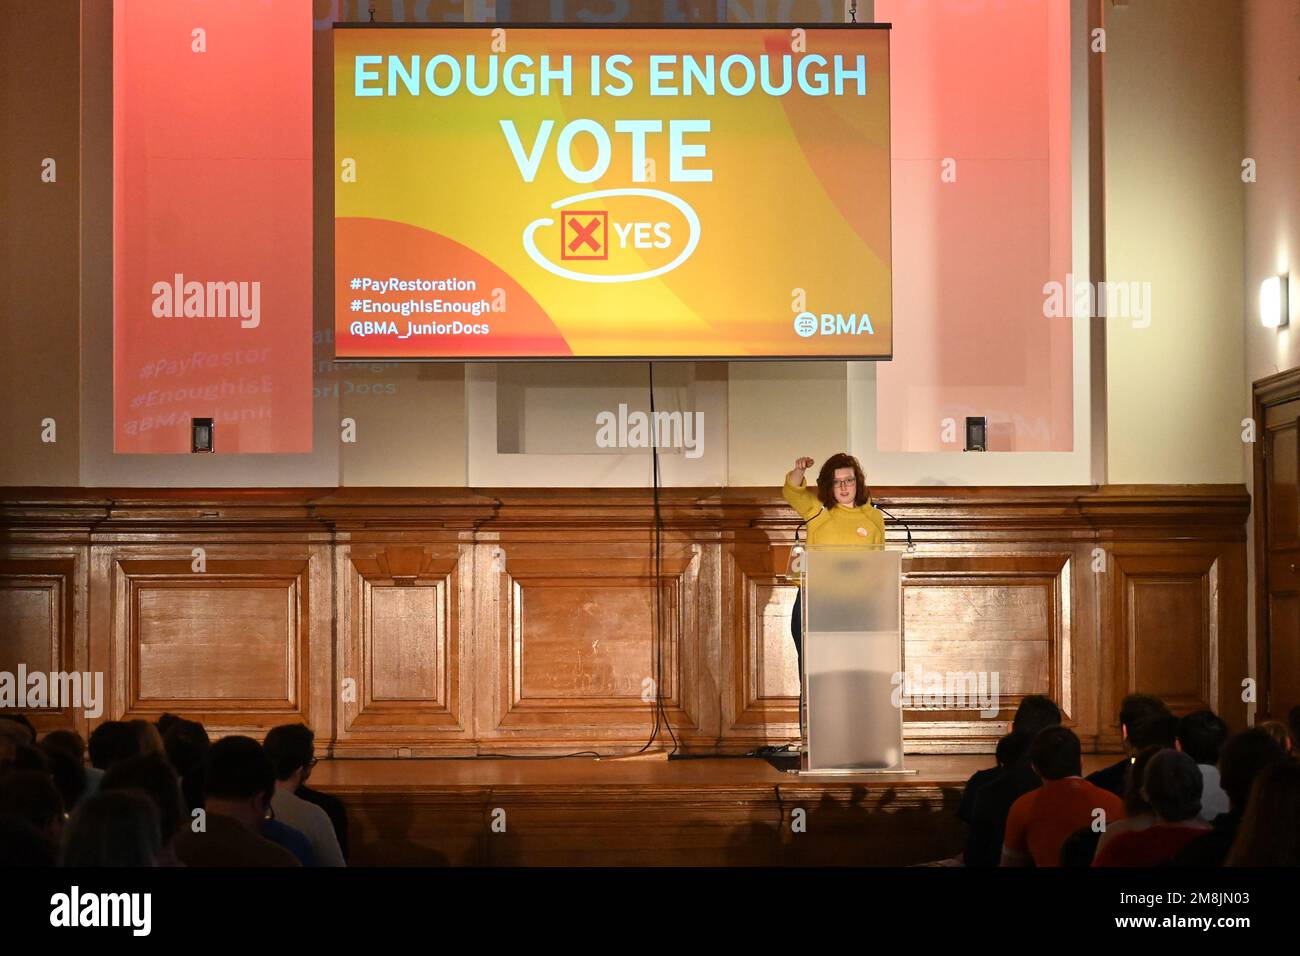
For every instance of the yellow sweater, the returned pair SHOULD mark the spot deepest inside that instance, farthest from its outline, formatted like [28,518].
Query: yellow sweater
[838,525]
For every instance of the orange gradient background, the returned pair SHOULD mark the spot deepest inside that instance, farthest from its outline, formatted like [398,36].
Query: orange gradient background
[212,179]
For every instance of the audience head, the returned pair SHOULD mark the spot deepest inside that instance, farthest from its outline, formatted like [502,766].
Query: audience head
[1279,732]
[1135,801]
[1055,754]
[30,795]
[147,738]
[1080,847]
[21,844]
[111,741]
[1135,709]
[66,740]
[18,727]
[238,780]
[164,723]
[1270,830]
[68,771]
[1241,761]
[28,757]
[1011,748]
[1035,713]
[1172,784]
[291,749]
[152,775]
[186,742]
[1161,731]
[113,829]
[1201,735]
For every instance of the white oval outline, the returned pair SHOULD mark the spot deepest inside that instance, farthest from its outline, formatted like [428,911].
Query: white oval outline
[680,204]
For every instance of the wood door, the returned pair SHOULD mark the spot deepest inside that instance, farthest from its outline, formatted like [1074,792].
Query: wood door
[1277,547]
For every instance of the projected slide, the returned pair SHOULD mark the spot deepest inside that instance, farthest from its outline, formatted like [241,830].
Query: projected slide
[529,192]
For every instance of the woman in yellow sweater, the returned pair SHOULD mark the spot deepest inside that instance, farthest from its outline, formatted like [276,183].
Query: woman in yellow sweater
[838,511]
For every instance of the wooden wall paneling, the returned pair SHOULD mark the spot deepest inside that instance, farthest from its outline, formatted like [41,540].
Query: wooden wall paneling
[572,638]
[42,601]
[402,645]
[762,687]
[981,615]
[549,594]
[229,646]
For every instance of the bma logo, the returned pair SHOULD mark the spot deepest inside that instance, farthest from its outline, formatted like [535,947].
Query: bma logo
[832,323]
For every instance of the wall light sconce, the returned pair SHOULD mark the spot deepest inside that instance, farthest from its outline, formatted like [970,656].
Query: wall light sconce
[1272,302]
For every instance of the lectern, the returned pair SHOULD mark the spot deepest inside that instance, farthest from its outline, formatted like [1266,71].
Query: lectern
[852,659]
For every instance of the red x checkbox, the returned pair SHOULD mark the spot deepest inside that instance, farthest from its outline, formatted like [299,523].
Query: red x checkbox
[584,234]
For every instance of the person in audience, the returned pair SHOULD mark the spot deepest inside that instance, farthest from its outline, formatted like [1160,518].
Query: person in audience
[1293,723]
[1138,814]
[1134,709]
[1081,846]
[113,829]
[291,749]
[111,741]
[152,775]
[238,782]
[22,845]
[1242,759]
[1042,819]
[31,795]
[164,723]
[71,742]
[1270,830]
[994,799]
[186,744]
[68,772]
[1201,735]
[1011,747]
[29,757]
[1281,733]
[1172,785]
[18,727]
[334,809]
[147,738]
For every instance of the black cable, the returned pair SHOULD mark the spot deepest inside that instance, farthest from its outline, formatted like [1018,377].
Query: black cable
[656,635]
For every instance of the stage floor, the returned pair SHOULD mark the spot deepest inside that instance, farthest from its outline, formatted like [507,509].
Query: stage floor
[646,812]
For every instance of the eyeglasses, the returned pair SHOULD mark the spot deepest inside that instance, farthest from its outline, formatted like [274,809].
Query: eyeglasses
[312,762]
[844,482]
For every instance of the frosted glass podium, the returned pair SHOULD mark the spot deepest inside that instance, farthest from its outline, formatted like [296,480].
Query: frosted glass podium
[852,654]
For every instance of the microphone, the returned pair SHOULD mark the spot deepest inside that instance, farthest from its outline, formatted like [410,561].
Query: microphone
[910,545]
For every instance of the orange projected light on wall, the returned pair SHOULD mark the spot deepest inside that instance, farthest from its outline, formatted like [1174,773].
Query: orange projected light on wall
[212,227]
[530,192]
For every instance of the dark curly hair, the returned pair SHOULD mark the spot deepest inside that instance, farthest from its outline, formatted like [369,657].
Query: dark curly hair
[826,480]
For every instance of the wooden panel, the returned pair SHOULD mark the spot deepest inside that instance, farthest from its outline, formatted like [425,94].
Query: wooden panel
[30,608]
[218,639]
[1001,622]
[402,648]
[575,649]
[1170,630]
[1283,485]
[37,630]
[405,623]
[228,645]
[763,669]
[451,621]
[1284,655]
